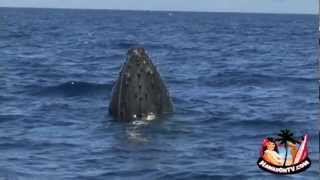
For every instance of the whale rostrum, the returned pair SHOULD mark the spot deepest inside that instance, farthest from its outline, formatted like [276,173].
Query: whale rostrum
[139,92]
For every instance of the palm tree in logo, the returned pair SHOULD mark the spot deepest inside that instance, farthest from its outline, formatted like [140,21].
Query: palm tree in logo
[285,136]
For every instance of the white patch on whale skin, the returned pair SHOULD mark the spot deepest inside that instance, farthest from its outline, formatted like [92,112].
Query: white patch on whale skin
[136,52]
[151,116]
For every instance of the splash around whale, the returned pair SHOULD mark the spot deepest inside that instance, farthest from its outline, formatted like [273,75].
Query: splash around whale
[139,92]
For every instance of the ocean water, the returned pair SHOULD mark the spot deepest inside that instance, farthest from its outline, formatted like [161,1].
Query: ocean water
[234,79]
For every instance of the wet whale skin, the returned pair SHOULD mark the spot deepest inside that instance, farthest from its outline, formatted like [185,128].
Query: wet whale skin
[139,92]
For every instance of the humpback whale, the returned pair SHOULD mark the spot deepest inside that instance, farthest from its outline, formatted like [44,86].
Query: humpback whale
[139,92]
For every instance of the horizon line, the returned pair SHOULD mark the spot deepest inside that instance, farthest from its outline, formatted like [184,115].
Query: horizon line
[160,10]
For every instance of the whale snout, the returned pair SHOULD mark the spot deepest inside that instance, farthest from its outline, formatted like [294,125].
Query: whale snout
[139,91]
[137,57]
[140,52]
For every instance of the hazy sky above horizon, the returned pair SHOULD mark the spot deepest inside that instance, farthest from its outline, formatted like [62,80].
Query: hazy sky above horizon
[267,6]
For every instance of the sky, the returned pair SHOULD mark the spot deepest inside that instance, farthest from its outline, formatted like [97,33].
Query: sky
[264,6]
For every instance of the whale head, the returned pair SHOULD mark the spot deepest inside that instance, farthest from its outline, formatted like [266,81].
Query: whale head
[139,92]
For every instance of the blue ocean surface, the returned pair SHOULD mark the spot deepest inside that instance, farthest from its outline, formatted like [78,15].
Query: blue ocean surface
[234,79]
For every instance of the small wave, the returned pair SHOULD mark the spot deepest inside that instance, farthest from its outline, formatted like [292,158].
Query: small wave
[9,117]
[198,175]
[11,174]
[126,45]
[2,46]
[243,78]
[4,98]
[265,123]
[19,35]
[253,51]
[160,45]
[74,88]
